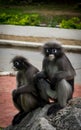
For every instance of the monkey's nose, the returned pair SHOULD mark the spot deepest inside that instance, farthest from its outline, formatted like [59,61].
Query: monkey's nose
[51,57]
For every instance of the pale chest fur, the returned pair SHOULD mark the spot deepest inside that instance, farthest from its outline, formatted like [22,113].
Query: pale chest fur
[51,69]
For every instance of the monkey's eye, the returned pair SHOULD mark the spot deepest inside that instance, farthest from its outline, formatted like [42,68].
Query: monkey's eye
[54,51]
[47,50]
[16,64]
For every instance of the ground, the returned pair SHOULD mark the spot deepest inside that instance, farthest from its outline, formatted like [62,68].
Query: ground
[40,39]
[7,109]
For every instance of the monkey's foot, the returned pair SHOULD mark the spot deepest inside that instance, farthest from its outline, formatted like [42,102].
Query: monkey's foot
[18,117]
[54,109]
[51,100]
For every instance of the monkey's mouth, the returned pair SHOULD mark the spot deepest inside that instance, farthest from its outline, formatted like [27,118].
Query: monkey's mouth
[14,68]
[51,57]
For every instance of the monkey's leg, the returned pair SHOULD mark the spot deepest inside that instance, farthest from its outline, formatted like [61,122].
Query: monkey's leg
[20,114]
[44,89]
[18,117]
[64,92]
[45,92]
[54,109]
[17,103]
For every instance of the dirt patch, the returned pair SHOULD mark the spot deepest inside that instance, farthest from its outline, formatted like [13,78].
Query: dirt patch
[59,12]
[47,12]
[40,39]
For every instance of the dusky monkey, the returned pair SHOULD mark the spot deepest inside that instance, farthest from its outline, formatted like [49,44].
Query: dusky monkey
[25,96]
[56,80]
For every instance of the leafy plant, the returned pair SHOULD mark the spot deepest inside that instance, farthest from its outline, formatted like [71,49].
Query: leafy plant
[34,19]
[56,20]
[4,17]
[73,23]
[25,19]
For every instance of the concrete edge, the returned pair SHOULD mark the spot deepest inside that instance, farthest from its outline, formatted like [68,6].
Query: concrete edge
[35,45]
[20,43]
[7,73]
[73,34]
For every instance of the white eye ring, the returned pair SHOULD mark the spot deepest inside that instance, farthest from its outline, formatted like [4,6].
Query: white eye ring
[17,63]
[47,50]
[55,50]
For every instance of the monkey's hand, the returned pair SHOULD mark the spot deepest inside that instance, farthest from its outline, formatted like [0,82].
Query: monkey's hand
[40,75]
[15,95]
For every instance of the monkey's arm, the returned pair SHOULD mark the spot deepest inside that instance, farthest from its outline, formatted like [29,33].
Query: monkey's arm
[24,89]
[65,70]
[21,90]
[62,74]
[40,75]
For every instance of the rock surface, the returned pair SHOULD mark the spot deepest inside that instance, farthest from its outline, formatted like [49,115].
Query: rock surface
[68,118]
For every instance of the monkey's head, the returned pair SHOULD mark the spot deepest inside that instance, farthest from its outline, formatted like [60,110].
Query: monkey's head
[53,50]
[19,63]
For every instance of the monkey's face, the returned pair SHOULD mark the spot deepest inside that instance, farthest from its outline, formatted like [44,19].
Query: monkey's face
[50,53]
[52,50]
[18,65]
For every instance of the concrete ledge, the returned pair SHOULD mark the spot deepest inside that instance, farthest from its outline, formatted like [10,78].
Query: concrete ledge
[5,73]
[20,43]
[35,45]
[74,34]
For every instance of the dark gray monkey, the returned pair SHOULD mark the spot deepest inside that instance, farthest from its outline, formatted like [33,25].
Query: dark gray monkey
[56,80]
[25,96]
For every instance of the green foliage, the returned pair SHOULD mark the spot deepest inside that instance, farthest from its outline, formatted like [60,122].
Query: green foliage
[31,19]
[36,20]
[4,17]
[73,23]
[56,20]
[25,19]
